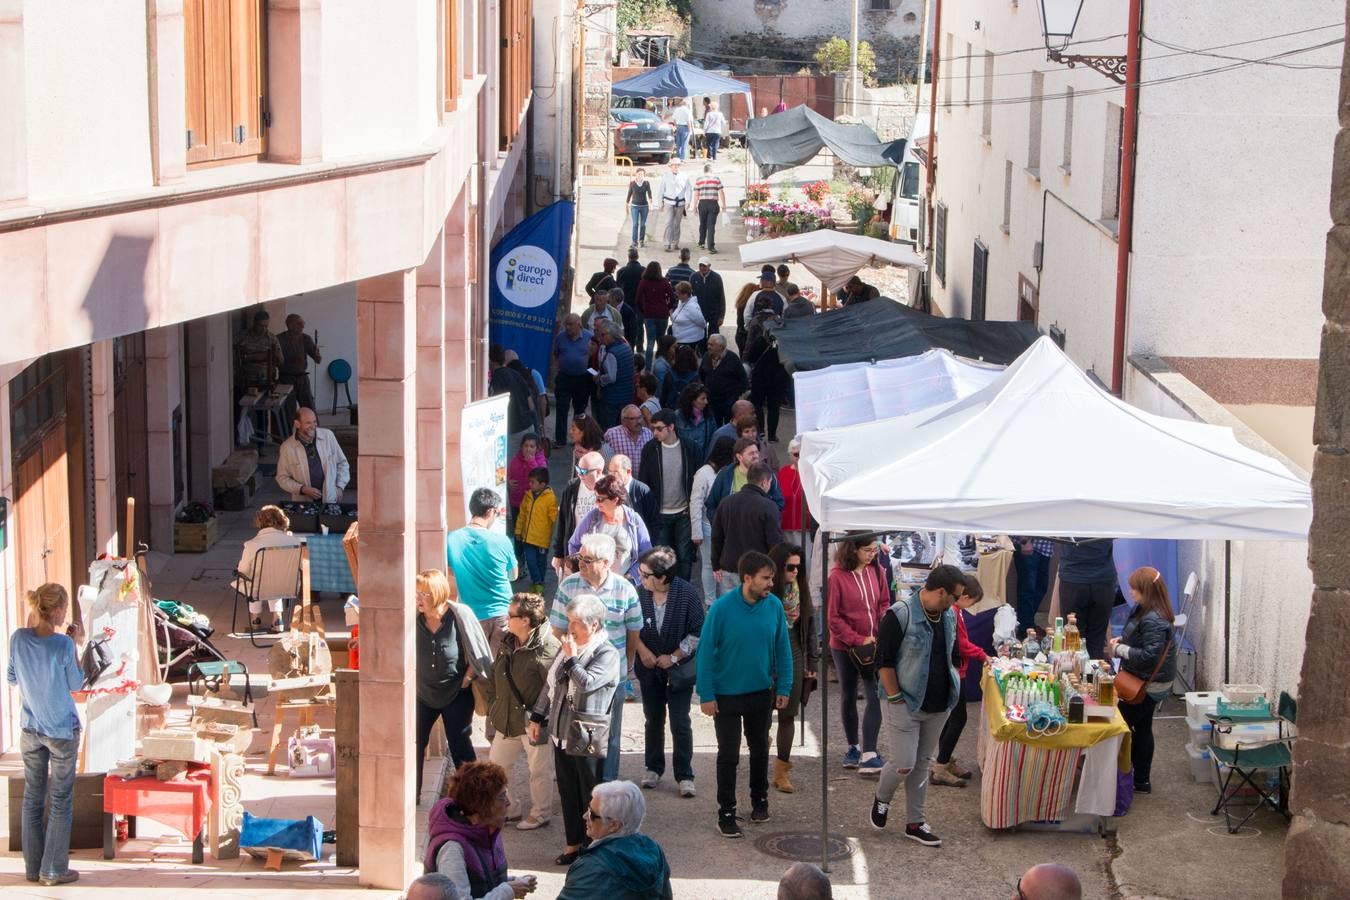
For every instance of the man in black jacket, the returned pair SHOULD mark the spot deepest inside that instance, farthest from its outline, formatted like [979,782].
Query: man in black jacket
[628,278]
[640,497]
[667,467]
[747,520]
[604,279]
[577,499]
[712,298]
[632,319]
[724,376]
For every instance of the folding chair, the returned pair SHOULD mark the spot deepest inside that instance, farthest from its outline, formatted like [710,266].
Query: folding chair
[1248,759]
[274,575]
[216,675]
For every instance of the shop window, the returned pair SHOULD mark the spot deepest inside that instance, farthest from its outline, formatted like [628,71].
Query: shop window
[37,403]
[223,74]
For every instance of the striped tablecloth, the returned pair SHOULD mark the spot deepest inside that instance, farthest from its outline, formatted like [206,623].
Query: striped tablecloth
[328,566]
[1026,779]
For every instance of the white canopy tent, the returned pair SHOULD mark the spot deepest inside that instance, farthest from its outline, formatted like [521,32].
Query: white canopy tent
[1044,450]
[832,256]
[853,393]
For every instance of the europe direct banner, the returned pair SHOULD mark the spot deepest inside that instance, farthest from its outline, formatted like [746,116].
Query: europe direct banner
[527,266]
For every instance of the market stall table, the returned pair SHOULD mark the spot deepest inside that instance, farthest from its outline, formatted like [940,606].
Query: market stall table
[180,804]
[1031,779]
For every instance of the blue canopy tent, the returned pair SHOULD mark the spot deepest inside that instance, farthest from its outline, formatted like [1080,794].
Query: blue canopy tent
[677,78]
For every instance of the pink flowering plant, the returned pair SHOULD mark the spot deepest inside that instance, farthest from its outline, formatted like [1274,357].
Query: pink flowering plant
[816,191]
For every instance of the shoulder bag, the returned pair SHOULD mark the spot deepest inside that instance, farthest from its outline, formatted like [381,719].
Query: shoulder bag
[588,733]
[1131,688]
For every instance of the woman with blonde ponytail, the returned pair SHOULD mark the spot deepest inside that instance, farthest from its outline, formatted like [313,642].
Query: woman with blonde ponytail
[42,663]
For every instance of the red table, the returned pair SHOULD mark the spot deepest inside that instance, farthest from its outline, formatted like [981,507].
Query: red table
[181,805]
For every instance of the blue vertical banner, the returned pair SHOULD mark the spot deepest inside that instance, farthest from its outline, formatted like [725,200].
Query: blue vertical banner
[527,272]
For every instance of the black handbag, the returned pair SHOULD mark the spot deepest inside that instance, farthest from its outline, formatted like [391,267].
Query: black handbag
[864,656]
[682,676]
[588,733]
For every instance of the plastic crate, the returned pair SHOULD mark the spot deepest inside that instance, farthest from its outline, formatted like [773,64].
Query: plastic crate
[1201,732]
[1241,694]
[1198,703]
[1202,766]
[1227,737]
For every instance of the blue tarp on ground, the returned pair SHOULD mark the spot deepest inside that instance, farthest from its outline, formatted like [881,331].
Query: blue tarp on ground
[677,78]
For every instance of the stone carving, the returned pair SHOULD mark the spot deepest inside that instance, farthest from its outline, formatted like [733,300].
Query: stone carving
[227,815]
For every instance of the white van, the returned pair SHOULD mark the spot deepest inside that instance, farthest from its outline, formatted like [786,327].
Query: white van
[906,203]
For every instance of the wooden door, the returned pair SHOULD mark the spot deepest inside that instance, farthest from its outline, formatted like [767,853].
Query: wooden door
[42,512]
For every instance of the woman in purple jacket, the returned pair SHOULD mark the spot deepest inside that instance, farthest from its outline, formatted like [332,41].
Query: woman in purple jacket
[612,516]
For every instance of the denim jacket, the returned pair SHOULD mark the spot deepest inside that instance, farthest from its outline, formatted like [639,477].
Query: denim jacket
[911,667]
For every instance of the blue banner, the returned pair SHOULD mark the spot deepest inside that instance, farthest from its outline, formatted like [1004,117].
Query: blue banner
[527,272]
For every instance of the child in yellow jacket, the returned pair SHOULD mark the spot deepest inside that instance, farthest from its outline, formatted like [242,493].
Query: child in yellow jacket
[534,525]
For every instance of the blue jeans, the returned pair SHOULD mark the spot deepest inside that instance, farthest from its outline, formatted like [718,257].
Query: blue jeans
[682,140]
[640,223]
[705,557]
[654,328]
[1033,571]
[536,561]
[46,850]
[673,531]
[712,139]
[611,765]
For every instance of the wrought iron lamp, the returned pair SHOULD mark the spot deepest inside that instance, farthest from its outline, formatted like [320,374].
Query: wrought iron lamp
[1059,18]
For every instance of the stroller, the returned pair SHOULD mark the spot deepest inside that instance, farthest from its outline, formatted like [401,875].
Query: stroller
[184,638]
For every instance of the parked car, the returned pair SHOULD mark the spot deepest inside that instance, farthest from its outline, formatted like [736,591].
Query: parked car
[639,134]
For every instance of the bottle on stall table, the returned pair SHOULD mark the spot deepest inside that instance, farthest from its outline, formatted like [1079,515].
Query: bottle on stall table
[1057,639]
[1072,639]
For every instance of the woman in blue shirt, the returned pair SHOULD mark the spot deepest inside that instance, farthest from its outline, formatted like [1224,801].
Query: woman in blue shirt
[42,663]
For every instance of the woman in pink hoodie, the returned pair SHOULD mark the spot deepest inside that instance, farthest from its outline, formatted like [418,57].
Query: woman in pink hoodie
[856,599]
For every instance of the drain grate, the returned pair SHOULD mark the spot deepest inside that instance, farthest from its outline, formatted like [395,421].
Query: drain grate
[804,846]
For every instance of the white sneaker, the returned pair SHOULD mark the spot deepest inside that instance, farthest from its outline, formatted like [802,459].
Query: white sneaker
[687,788]
[650,779]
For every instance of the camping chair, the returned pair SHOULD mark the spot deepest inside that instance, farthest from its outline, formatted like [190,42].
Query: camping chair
[274,575]
[216,675]
[1247,759]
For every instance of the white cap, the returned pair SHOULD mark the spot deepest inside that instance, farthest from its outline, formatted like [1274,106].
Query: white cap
[704,261]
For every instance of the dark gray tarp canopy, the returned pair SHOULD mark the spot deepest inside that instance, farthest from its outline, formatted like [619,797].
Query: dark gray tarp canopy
[883,329]
[790,138]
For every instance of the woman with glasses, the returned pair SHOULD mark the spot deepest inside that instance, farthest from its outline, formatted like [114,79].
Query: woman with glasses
[444,673]
[672,617]
[518,673]
[619,862]
[790,586]
[700,522]
[613,516]
[584,679]
[856,599]
[464,836]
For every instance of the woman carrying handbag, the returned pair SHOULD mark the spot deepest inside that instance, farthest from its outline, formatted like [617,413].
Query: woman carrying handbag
[856,599]
[1147,650]
[672,617]
[574,711]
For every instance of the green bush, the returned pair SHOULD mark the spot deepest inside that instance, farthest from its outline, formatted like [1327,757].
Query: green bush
[832,58]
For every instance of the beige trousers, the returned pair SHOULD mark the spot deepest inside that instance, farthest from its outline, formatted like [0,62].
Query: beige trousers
[505,751]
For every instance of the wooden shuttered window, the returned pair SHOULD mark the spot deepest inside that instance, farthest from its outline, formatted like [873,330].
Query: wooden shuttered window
[223,75]
[517,52]
[940,244]
[454,65]
[979,281]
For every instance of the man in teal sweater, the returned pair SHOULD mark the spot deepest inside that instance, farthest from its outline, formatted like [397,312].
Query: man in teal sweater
[744,667]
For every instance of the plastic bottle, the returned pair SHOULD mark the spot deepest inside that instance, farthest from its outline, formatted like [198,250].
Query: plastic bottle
[1072,639]
[1057,640]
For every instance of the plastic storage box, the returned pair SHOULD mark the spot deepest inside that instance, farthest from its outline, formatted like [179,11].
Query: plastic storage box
[1198,703]
[1227,737]
[1242,694]
[1202,766]
[1201,732]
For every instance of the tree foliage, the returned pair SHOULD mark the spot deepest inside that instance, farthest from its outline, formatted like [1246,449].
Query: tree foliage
[645,13]
[832,58]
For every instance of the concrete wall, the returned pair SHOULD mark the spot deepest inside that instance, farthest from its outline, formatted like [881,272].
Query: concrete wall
[333,312]
[552,113]
[87,97]
[1271,585]
[791,30]
[1229,168]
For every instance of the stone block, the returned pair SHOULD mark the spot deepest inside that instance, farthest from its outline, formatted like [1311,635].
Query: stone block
[1316,860]
[1324,702]
[386,650]
[1331,421]
[1340,179]
[1336,275]
[1321,779]
[391,806]
[387,410]
[1330,531]
[386,493]
[386,569]
[387,853]
[387,717]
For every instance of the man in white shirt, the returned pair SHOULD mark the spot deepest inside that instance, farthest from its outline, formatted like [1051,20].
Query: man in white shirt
[310,464]
[683,120]
[676,192]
